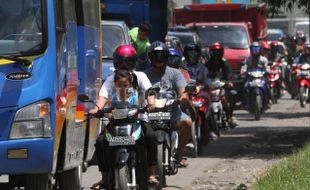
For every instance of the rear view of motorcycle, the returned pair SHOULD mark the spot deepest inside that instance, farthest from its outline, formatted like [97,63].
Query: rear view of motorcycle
[126,150]
[303,78]
[256,90]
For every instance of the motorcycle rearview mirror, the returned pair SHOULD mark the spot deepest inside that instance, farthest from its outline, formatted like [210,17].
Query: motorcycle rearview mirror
[84,98]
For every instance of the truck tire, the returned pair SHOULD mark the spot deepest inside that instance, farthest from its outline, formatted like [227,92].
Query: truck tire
[71,179]
[39,182]
[122,177]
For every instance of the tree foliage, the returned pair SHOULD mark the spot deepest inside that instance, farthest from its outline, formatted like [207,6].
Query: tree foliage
[275,5]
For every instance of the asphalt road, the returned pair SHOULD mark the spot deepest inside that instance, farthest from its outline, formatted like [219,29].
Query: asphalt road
[241,154]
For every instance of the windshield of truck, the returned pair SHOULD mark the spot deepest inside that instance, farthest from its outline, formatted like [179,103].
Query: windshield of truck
[184,38]
[233,37]
[113,36]
[21,29]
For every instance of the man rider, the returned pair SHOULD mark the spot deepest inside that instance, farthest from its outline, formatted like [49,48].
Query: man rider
[305,57]
[197,70]
[172,78]
[124,58]
[255,59]
[139,37]
[220,67]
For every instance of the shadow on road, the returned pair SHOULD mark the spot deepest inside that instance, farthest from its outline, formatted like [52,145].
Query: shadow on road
[258,142]
[275,115]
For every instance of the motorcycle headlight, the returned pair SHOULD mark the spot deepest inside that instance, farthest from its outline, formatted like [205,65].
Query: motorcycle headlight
[33,121]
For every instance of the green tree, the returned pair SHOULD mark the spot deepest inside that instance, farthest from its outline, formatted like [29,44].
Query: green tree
[275,5]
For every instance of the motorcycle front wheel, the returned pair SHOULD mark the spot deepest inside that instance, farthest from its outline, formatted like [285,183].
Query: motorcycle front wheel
[122,177]
[160,165]
[303,96]
[257,107]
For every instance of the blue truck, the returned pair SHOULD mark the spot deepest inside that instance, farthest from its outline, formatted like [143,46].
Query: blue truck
[134,12]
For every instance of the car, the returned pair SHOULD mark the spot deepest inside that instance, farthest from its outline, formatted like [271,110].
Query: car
[275,34]
[114,34]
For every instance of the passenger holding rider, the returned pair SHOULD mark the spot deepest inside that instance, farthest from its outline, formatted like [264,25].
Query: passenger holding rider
[172,78]
[220,68]
[121,85]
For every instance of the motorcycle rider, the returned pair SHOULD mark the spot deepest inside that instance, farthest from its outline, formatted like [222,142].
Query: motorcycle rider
[124,58]
[305,57]
[197,70]
[175,61]
[172,78]
[256,60]
[265,48]
[220,68]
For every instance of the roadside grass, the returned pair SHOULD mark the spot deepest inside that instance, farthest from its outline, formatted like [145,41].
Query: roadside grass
[291,173]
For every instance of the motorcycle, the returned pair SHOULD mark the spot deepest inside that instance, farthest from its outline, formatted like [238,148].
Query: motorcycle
[198,98]
[126,152]
[216,115]
[256,89]
[275,81]
[165,133]
[292,81]
[303,78]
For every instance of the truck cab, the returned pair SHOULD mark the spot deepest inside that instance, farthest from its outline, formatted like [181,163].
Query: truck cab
[233,36]
[115,33]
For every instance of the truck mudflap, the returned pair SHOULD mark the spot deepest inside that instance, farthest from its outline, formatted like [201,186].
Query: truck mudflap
[26,156]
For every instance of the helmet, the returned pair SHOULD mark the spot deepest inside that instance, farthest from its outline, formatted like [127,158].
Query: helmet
[125,56]
[255,48]
[216,50]
[175,58]
[264,44]
[192,52]
[158,52]
[274,46]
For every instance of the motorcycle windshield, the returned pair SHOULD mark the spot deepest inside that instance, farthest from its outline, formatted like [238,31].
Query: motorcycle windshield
[22,31]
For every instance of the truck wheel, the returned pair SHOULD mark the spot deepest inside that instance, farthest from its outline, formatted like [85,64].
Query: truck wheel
[39,182]
[71,179]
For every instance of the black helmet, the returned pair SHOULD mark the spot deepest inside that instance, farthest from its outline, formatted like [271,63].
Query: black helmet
[158,52]
[192,51]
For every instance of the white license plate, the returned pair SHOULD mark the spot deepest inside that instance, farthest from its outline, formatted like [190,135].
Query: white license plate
[159,116]
[122,141]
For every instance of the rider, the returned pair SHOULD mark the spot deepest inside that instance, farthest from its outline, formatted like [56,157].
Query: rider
[274,53]
[124,58]
[139,37]
[174,80]
[256,60]
[305,57]
[175,61]
[220,67]
[197,70]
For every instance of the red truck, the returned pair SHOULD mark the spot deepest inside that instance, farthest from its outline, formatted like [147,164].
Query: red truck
[233,25]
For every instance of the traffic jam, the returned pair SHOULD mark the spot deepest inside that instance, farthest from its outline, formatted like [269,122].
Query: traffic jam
[138,94]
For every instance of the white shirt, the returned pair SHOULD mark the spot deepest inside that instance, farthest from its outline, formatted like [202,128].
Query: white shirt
[108,86]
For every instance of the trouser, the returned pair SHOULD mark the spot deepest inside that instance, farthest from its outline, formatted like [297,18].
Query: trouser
[102,148]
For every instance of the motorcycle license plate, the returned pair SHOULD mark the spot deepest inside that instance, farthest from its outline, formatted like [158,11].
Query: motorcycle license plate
[159,116]
[122,141]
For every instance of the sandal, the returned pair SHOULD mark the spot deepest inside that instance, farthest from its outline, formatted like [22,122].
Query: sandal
[99,185]
[153,180]
[183,163]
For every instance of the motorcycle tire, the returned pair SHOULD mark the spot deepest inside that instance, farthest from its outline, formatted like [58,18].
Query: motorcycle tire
[302,96]
[122,177]
[214,124]
[273,96]
[202,134]
[39,182]
[257,107]
[160,166]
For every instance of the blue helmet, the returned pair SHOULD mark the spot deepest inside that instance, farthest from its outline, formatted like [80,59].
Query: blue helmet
[174,52]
